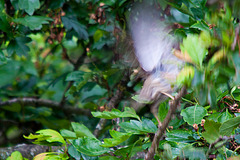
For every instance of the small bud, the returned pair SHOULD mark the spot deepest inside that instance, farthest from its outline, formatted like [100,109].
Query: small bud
[102,108]
[195,126]
[63,13]
[202,122]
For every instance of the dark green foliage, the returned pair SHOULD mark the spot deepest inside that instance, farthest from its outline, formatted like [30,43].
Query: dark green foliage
[63,67]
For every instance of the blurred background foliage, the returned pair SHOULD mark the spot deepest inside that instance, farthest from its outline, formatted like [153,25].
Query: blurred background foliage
[59,60]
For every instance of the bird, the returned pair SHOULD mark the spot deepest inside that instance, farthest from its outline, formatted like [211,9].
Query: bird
[154,47]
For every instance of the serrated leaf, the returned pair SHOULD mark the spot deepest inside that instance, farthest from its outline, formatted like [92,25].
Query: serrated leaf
[117,138]
[211,133]
[81,130]
[33,22]
[18,46]
[48,135]
[89,146]
[29,5]
[229,126]
[179,136]
[194,114]
[71,23]
[139,127]
[115,113]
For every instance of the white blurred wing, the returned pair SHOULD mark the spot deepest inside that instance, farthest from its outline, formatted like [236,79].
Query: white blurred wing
[150,36]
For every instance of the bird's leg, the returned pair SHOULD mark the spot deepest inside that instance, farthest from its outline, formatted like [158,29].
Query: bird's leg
[154,111]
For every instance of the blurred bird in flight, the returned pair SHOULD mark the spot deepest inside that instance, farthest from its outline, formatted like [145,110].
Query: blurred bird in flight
[154,51]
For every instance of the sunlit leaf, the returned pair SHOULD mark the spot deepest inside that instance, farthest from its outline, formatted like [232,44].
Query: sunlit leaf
[15,155]
[48,135]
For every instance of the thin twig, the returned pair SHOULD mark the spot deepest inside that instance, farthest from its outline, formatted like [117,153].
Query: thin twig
[76,65]
[158,135]
[213,145]
[113,102]
[46,103]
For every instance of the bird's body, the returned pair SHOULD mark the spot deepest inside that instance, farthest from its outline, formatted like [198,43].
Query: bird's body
[153,48]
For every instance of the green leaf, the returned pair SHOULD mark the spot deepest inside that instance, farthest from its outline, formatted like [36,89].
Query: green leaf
[75,76]
[68,134]
[74,153]
[212,96]
[81,130]
[51,156]
[29,68]
[29,5]
[115,113]
[191,153]
[235,92]
[89,146]
[193,46]
[137,127]
[48,135]
[33,22]
[194,114]
[108,158]
[183,8]
[201,25]
[225,116]
[18,46]
[3,58]
[162,111]
[12,67]
[70,23]
[117,138]
[15,155]
[214,116]
[197,12]
[211,133]
[229,126]
[179,136]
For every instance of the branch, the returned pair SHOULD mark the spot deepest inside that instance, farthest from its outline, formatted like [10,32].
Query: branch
[223,140]
[158,135]
[76,65]
[47,103]
[27,150]
[113,102]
